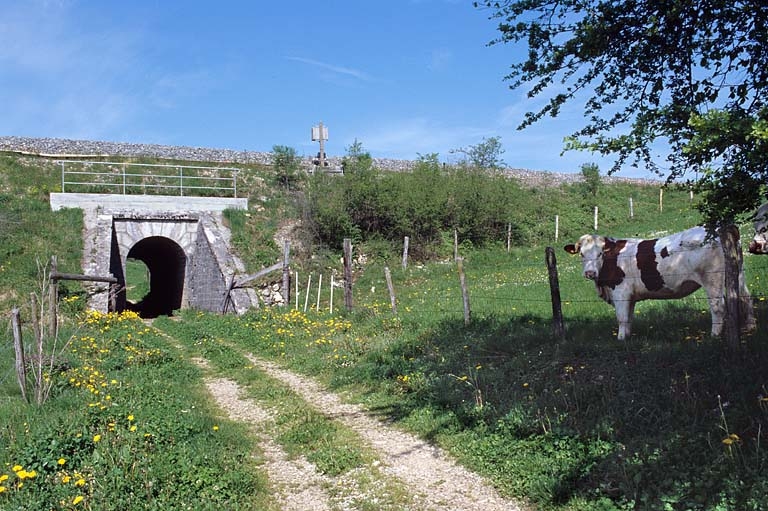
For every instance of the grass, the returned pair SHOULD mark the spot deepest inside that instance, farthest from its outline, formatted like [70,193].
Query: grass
[670,419]
[129,427]
[301,430]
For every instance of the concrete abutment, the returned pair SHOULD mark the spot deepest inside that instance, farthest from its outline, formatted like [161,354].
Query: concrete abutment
[182,241]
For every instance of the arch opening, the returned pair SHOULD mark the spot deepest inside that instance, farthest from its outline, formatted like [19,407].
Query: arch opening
[165,263]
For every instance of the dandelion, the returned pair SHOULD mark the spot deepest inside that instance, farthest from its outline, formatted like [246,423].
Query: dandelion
[77,500]
[215,428]
[96,438]
[61,461]
[80,482]
[130,418]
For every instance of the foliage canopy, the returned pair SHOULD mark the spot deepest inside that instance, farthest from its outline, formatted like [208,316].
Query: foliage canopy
[688,76]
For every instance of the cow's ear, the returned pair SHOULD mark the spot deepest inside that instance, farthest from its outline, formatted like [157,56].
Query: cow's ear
[571,249]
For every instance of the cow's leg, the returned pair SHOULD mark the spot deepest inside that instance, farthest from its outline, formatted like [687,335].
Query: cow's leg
[625,309]
[717,309]
[746,312]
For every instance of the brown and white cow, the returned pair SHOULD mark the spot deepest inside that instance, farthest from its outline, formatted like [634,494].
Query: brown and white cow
[626,271]
[759,244]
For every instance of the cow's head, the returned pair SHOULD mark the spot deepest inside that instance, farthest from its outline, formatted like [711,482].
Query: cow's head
[592,249]
[759,244]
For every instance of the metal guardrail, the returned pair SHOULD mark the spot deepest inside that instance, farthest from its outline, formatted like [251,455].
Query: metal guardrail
[126,178]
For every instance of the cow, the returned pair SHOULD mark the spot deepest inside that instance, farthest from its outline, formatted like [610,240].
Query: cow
[759,244]
[626,271]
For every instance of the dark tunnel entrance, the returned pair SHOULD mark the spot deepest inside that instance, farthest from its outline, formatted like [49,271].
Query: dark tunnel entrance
[166,263]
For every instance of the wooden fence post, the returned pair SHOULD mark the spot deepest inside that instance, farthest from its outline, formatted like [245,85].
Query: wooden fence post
[729,237]
[455,244]
[306,295]
[21,372]
[391,288]
[595,218]
[296,291]
[39,331]
[319,288]
[557,227]
[405,252]
[348,273]
[286,289]
[53,300]
[509,236]
[464,292]
[331,302]
[631,209]
[558,328]
[661,200]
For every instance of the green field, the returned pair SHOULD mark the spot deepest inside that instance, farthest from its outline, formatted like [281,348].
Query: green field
[671,419]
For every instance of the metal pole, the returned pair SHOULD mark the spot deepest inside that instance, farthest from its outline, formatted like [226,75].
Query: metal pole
[181,181]
[62,177]
[322,147]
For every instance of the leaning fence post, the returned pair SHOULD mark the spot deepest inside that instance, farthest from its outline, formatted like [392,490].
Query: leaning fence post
[306,296]
[729,236]
[21,372]
[391,289]
[464,292]
[558,327]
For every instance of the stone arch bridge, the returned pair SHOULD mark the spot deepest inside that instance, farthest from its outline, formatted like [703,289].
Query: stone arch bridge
[182,241]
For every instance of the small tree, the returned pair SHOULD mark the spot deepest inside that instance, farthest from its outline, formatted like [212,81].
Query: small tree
[485,156]
[357,159]
[591,174]
[287,166]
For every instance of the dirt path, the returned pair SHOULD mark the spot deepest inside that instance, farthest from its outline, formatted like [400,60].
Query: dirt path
[300,485]
[435,481]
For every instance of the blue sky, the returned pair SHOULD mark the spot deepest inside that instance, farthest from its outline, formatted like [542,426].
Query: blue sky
[403,77]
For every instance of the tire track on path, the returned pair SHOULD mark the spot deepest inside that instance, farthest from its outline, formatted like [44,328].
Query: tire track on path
[435,479]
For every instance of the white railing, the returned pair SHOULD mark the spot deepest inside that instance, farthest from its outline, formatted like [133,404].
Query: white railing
[147,178]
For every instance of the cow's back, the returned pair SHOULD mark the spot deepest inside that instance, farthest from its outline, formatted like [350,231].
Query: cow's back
[672,266]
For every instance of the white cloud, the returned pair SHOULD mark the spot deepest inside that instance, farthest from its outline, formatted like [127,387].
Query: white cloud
[337,70]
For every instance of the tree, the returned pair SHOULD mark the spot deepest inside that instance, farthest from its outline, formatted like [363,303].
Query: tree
[591,174]
[357,159]
[486,155]
[688,76]
[286,163]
